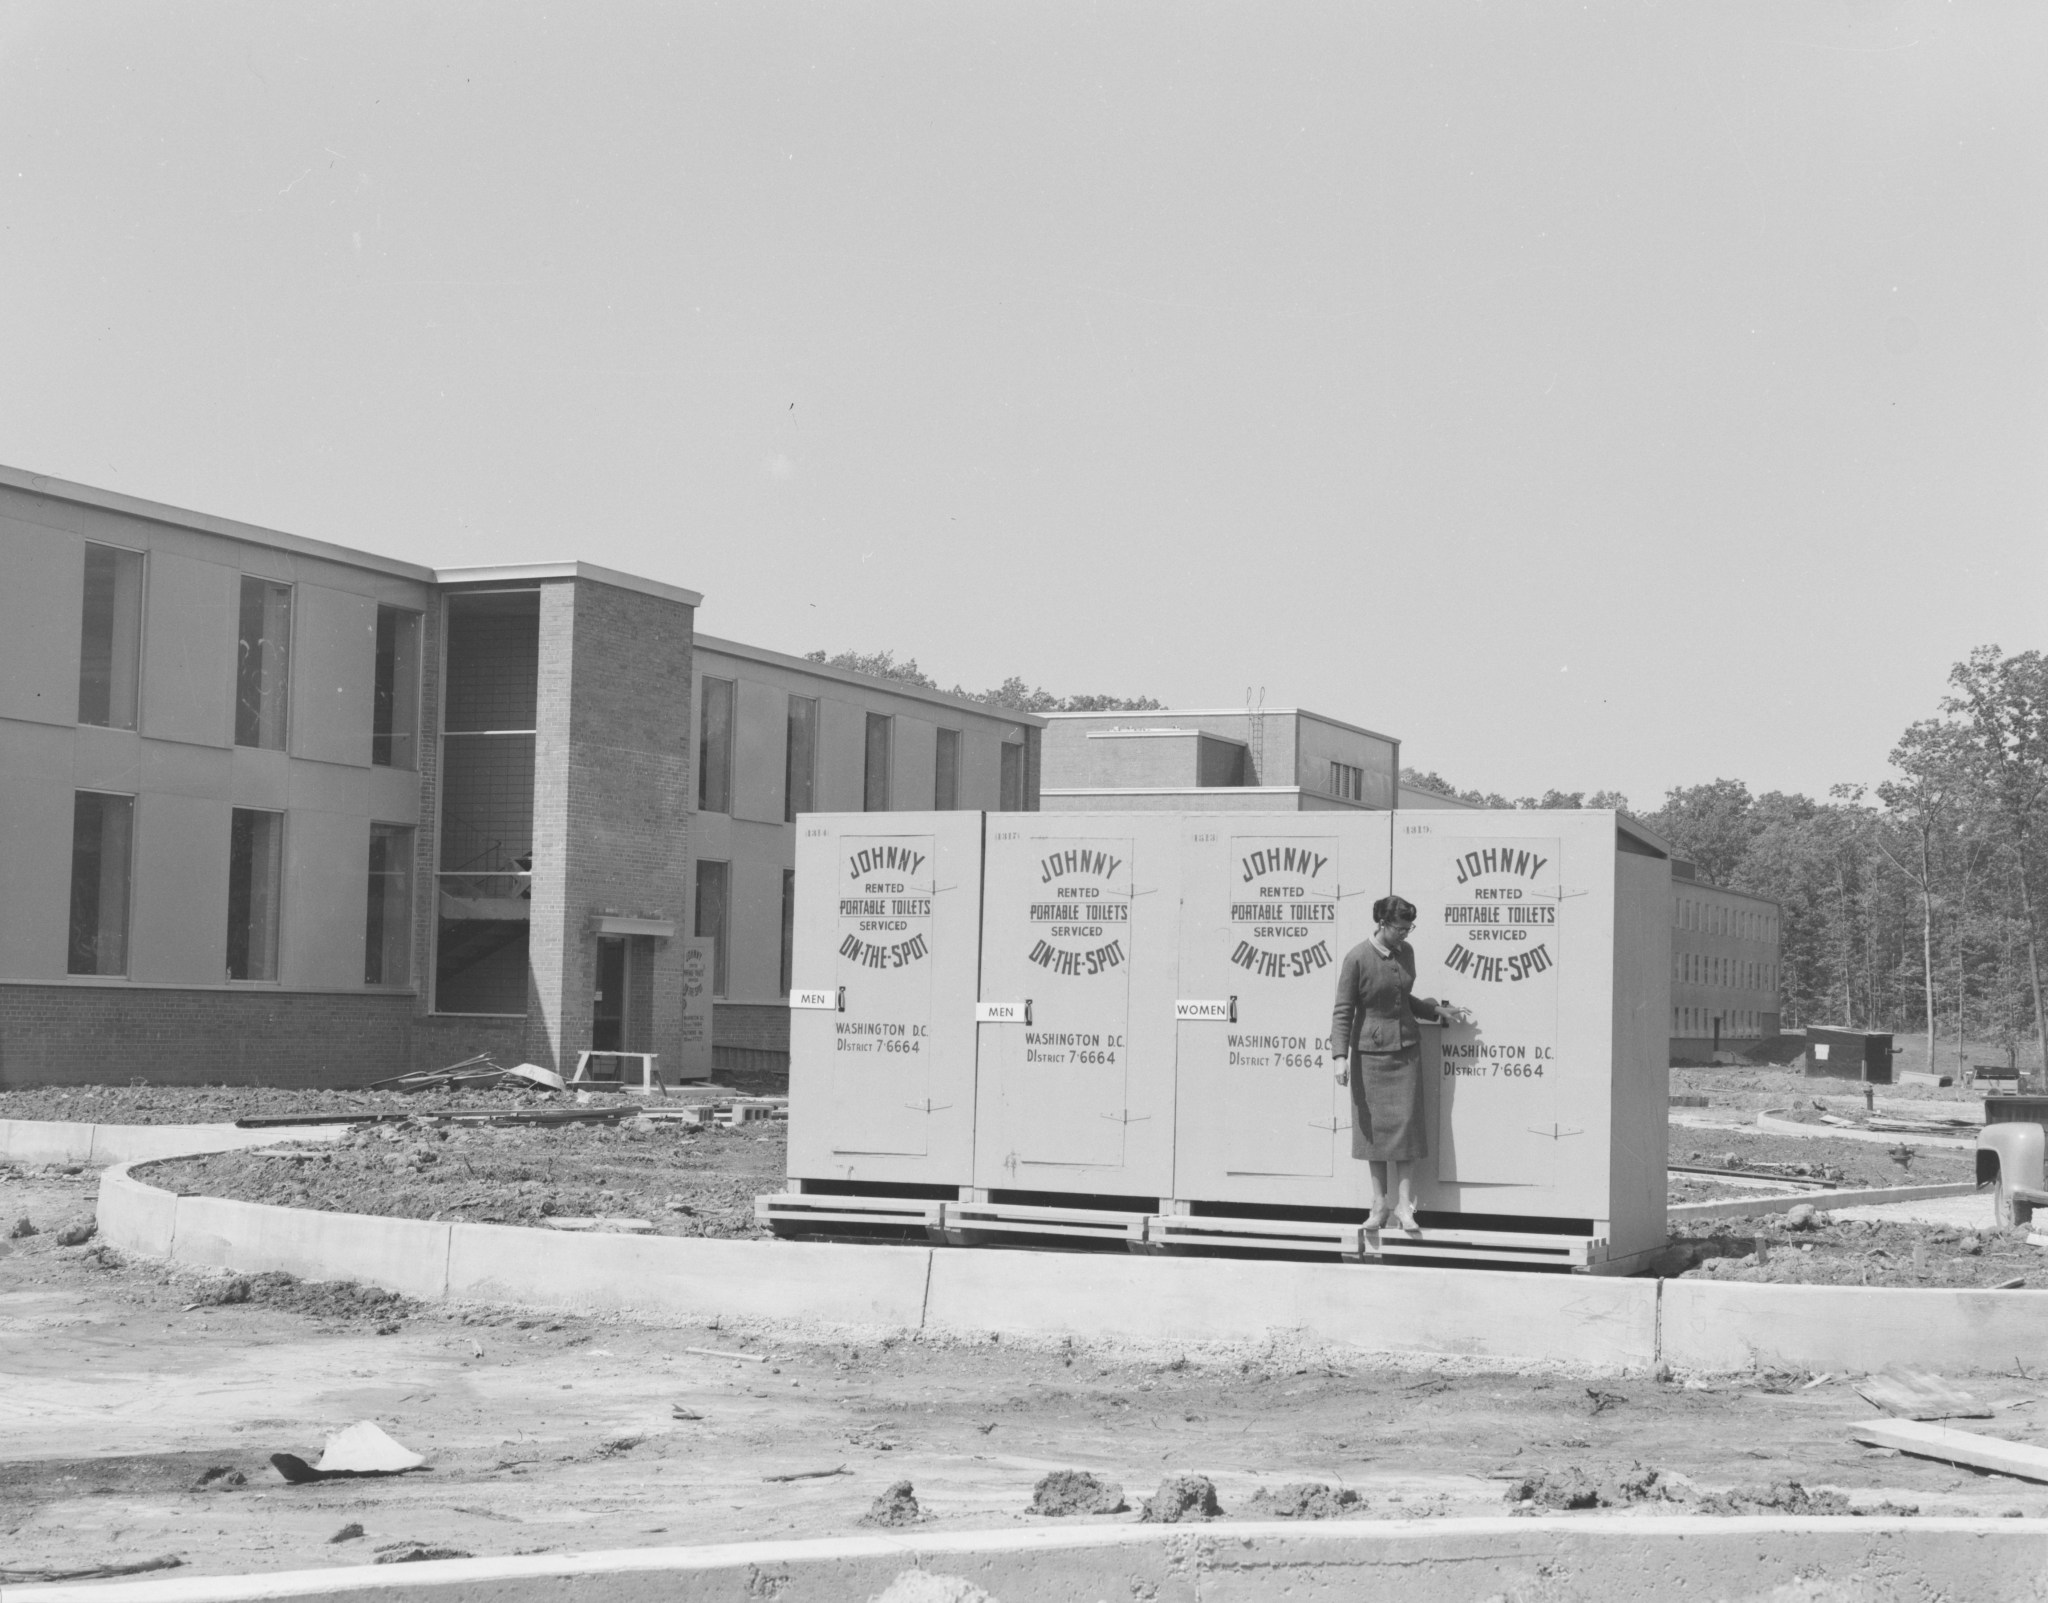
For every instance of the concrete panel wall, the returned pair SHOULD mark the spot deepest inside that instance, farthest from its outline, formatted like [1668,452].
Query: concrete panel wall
[35,869]
[402,1255]
[1318,744]
[915,764]
[334,652]
[981,770]
[40,606]
[179,920]
[188,649]
[326,898]
[1735,1325]
[842,754]
[754,971]
[760,751]
[106,759]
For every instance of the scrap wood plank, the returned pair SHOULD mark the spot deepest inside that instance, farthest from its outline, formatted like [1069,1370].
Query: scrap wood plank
[1915,1394]
[1951,1446]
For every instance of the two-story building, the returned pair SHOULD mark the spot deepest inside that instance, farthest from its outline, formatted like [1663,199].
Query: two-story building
[1724,968]
[274,810]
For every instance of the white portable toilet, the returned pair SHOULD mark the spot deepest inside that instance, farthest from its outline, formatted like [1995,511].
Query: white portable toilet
[881,1027]
[1080,948]
[1271,903]
[1552,929]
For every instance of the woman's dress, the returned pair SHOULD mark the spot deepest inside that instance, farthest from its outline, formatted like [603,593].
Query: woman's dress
[1374,1023]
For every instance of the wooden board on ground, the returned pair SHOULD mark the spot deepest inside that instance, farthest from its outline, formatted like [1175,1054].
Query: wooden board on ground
[1952,1446]
[1915,1394]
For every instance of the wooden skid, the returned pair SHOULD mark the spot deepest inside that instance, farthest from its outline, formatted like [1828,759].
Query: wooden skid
[796,1211]
[968,1220]
[1171,1230]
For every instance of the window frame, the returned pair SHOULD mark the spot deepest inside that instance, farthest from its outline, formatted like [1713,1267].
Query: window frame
[141,639]
[409,901]
[945,770]
[127,894]
[723,802]
[790,809]
[879,737]
[276,943]
[283,711]
[377,692]
[720,938]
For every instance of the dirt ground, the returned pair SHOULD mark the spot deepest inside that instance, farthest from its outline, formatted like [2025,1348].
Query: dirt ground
[142,1406]
[688,1182]
[223,1104]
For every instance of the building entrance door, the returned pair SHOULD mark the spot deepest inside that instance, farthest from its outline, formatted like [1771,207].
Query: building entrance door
[608,1002]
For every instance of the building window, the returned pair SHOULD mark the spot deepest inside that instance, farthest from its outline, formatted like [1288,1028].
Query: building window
[102,839]
[483,885]
[263,664]
[1347,782]
[1010,782]
[255,880]
[788,930]
[387,934]
[800,759]
[714,748]
[713,921]
[946,771]
[110,640]
[395,707]
[875,781]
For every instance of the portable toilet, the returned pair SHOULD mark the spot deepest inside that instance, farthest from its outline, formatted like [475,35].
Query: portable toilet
[1551,929]
[1079,953]
[1271,902]
[886,938]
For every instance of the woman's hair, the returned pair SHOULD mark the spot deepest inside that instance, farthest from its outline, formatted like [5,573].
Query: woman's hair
[1393,910]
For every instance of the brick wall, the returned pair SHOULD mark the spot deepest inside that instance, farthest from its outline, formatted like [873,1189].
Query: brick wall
[756,1026]
[108,1035]
[612,801]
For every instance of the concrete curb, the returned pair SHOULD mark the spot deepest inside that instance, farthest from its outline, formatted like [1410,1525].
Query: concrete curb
[53,1141]
[1826,1201]
[1612,1324]
[1618,1558]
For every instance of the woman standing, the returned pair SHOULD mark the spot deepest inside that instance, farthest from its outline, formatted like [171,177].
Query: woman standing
[1374,1035]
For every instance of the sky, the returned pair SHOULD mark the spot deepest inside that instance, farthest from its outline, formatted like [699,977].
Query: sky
[1609,396]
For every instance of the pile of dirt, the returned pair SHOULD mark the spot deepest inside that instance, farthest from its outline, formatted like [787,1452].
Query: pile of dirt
[318,1299]
[684,1182]
[1075,1491]
[897,1506]
[1789,1497]
[1573,1487]
[1180,1499]
[1304,1500]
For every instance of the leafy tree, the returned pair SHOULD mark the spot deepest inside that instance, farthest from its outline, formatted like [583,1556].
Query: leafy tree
[1711,825]
[1919,809]
[2002,703]
[877,665]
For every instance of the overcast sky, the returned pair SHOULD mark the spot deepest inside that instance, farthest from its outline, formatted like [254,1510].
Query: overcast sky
[1590,395]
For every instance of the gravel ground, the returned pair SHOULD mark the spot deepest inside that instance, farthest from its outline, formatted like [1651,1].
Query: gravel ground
[223,1104]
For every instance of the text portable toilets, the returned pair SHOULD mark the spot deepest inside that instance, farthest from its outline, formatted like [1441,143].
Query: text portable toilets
[1551,929]
[881,1024]
[1271,903]
[1080,947]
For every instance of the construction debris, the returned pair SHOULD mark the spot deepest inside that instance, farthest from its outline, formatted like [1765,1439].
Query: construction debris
[361,1449]
[100,1572]
[1914,1394]
[720,1352]
[1304,1500]
[812,1474]
[1948,1445]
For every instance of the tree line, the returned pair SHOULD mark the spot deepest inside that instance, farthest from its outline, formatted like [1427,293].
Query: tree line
[1013,692]
[1915,905]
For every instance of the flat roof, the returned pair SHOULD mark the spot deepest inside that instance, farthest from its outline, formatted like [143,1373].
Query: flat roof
[207,523]
[1233,712]
[278,540]
[895,687]
[532,572]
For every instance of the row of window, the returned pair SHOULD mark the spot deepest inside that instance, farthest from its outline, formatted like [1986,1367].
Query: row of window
[1702,1021]
[110,660]
[103,867]
[1717,918]
[800,760]
[1701,968]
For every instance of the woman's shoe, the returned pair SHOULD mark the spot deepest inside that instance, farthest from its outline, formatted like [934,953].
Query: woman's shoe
[1377,1219]
[1404,1221]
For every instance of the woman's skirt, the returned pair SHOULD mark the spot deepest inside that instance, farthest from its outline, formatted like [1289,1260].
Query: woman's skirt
[1386,1107]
